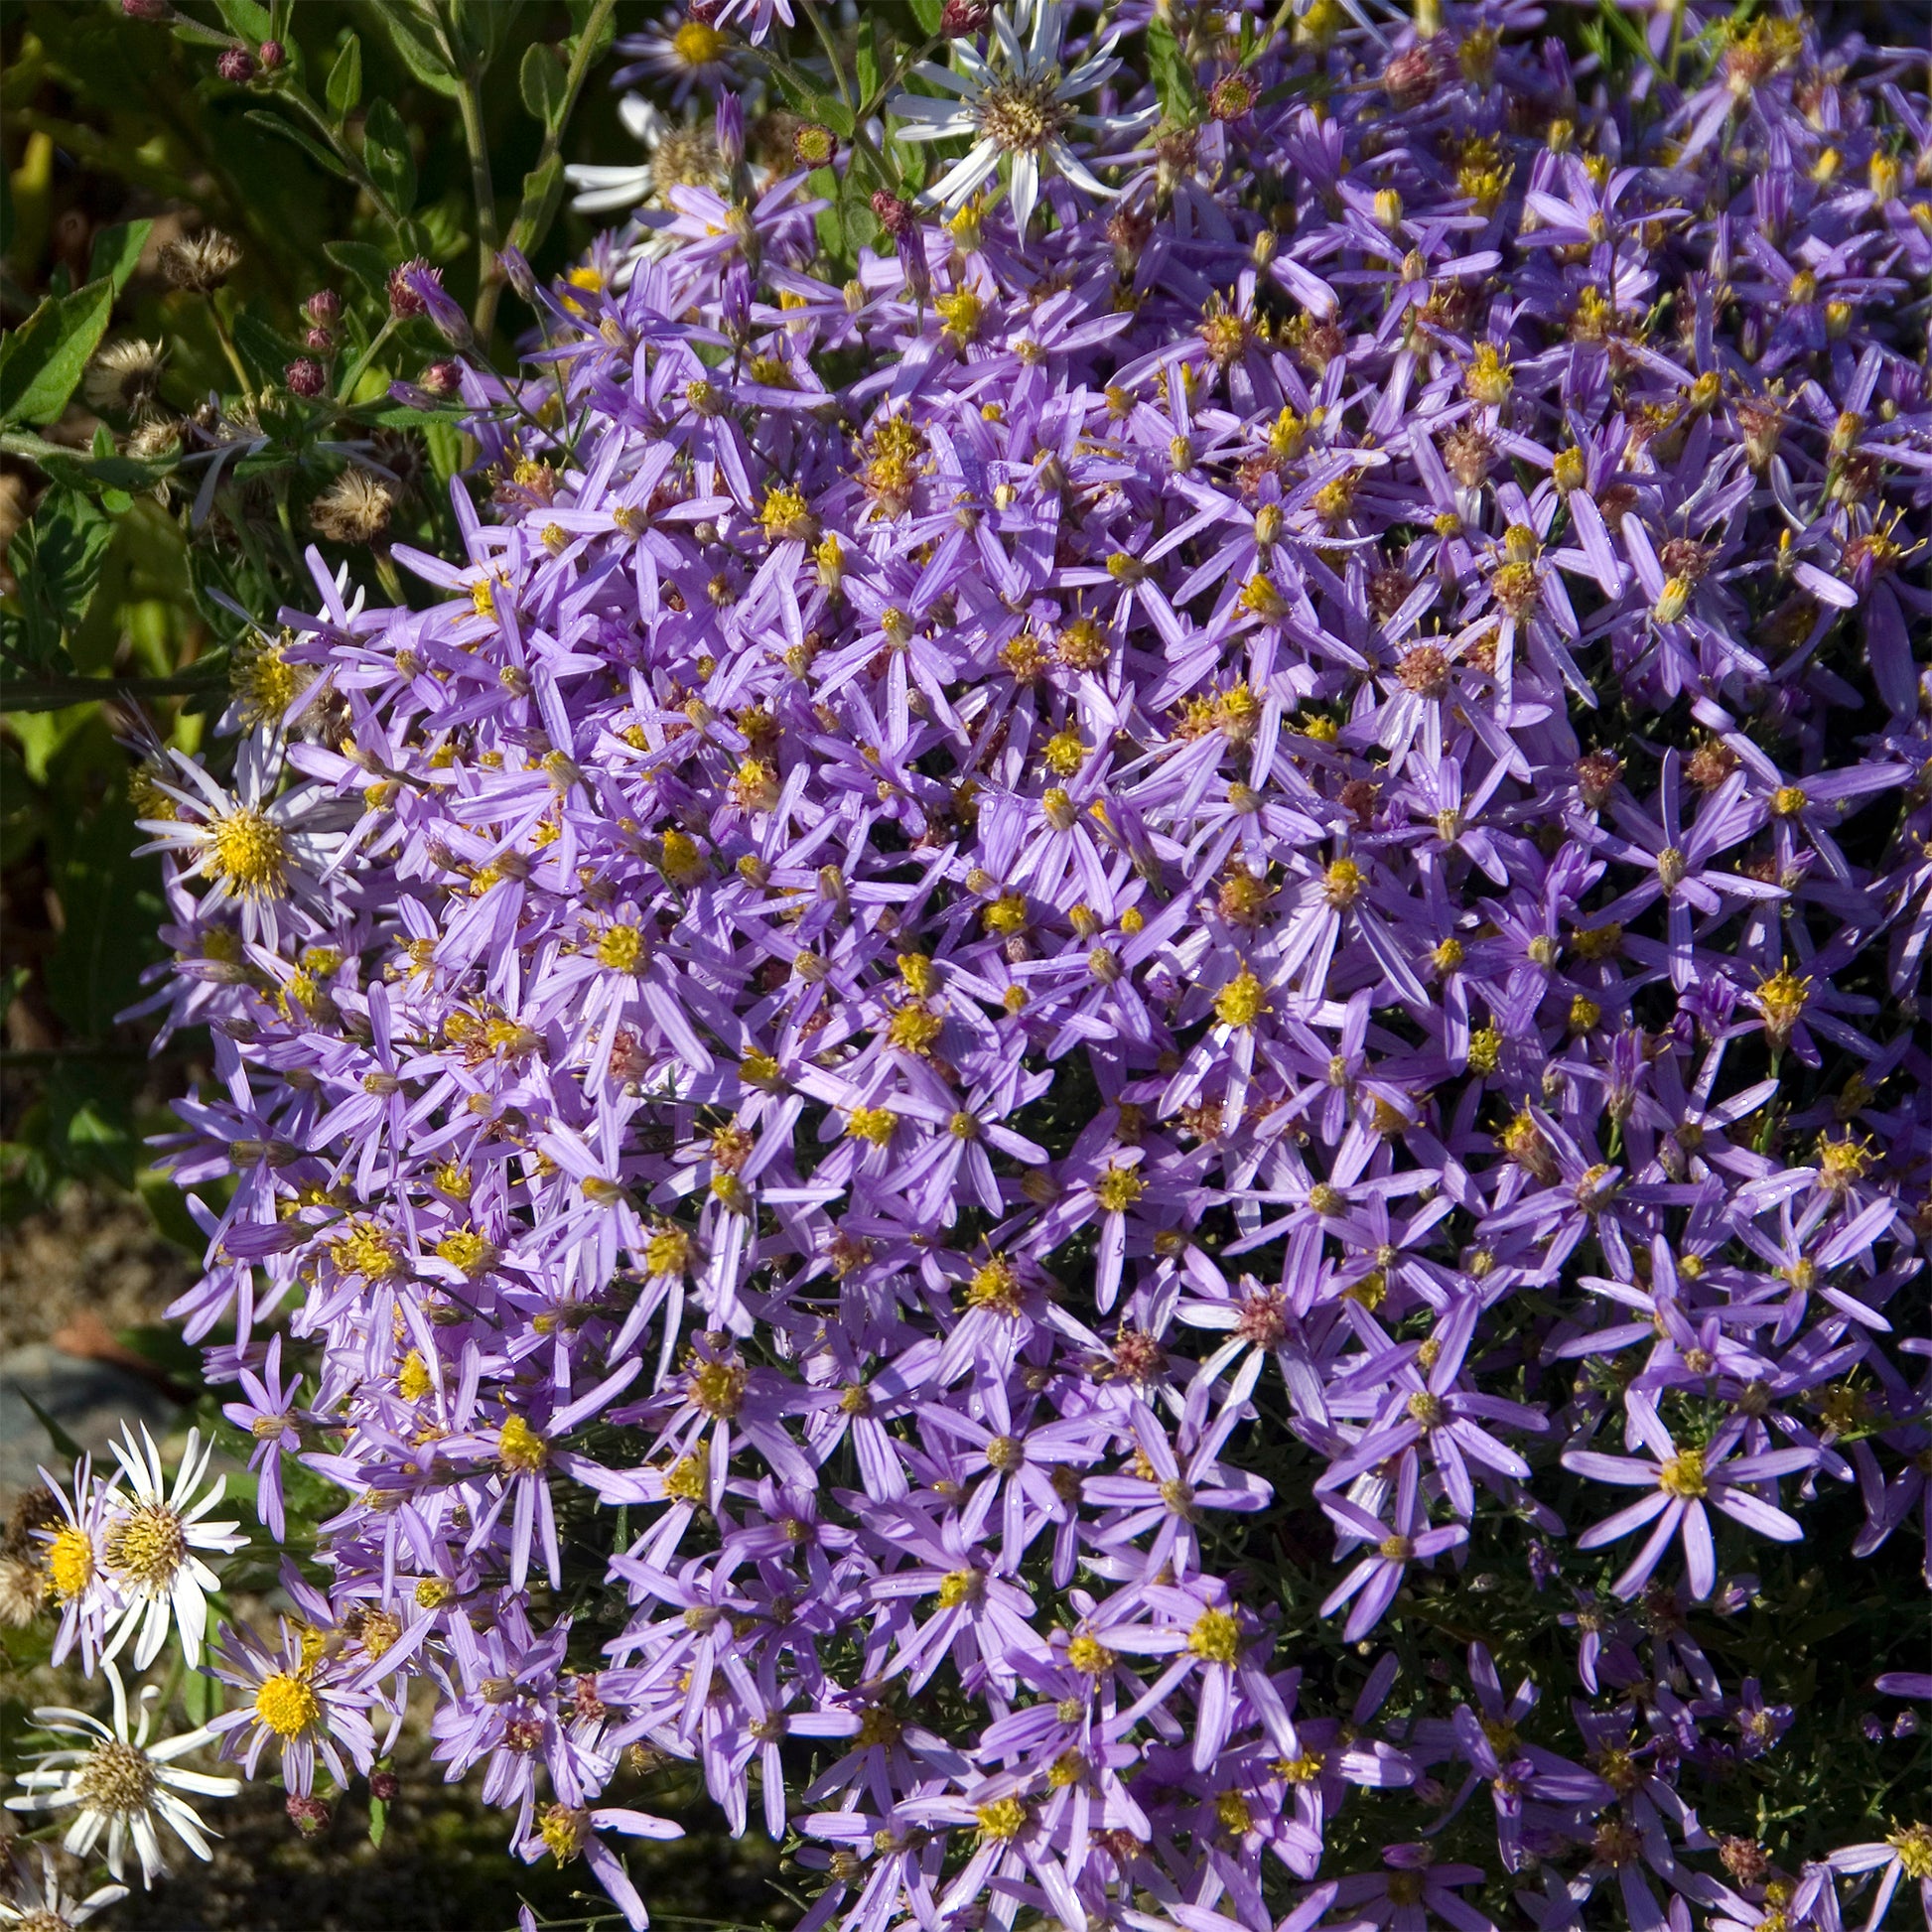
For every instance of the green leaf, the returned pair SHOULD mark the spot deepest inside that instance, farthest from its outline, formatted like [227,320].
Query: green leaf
[43,360]
[482,24]
[168,1210]
[378,1820]
[266,353]
[927,13]
[63,1444]
[117,253]
[542,84]
[542,190]
[867,57]
[370,267]
[249,19]
[344,85]
[323,157]
[417,46]
[56,559]
[385,154]
[1169,69]
[95,970]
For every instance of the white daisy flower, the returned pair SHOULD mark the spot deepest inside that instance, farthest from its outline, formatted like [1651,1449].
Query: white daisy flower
[41,1903]
[150,1545]
[117,1783]
[255,848]
[1015,109]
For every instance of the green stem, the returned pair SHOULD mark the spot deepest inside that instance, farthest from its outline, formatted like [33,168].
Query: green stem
[481,189]
[57,693]
[532,221]
[347,387]
[228,349]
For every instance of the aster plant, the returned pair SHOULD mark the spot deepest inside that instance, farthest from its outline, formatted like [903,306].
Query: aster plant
[1148,884]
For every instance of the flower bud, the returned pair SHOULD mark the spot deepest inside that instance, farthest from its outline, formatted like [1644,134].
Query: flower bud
[271,55]
[424,285]
[912,259]
[896,214]
[323,308]
[384,1785]
[1233,96]
[727,130]
[736,302]
[322,340]
[304,377]
[442,379]
[236,65]
[960,18]
[405,300]
[146,10]
[517,273]
[814,146]
[308,1815]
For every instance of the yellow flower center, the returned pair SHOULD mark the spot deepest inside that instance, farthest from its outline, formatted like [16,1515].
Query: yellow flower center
[1683,1475]
[247,848]
[148,1546]
[519,1447]
[71,1561]
[287,1704]
[718,1388]
[697,44]
[1215,1637]
[1003,1819]
[1914,1847]
[1242,1000]
[994,1286]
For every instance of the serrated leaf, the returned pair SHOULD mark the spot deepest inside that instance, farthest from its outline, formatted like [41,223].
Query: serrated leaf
[542,190]
[417,50]
[1169,69]
[94,972]
[265,352]
[117,253]
[370,267]
[866,56]
[928,13]
[344,85]
[43,360]
[55,560]
[314,149]
[248,18]
[385,154]
[542,84]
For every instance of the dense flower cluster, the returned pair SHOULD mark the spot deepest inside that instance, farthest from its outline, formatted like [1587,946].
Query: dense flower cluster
[1219,860]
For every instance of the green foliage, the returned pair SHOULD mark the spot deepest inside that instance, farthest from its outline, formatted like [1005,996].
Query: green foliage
[41,363]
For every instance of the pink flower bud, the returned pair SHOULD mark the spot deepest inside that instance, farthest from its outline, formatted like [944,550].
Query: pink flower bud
[272,55]
[305,377]
[404,302]
[442,379]
[236,65]
[958,18]
[322,340]
[384,1785]
[323,307]
[896,214]
[146,10]
[308,1815]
